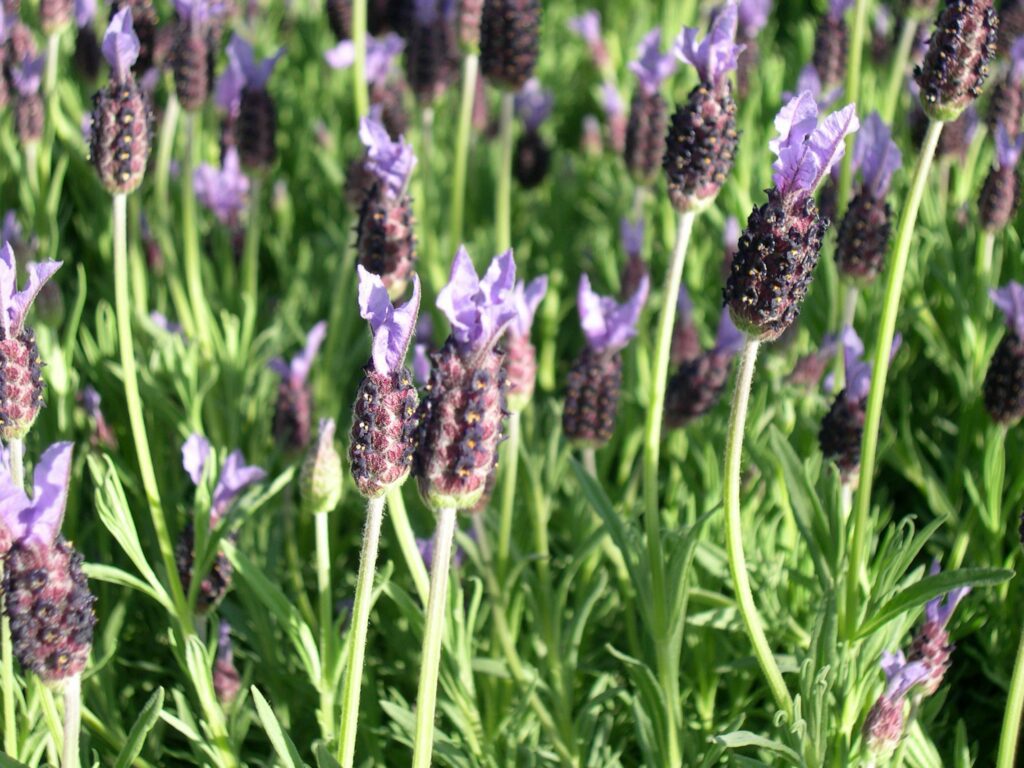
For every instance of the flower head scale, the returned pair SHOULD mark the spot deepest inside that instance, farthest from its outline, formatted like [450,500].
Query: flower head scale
[392,327]
[390,161]
[526,298]
[297,371]
[28,76]
[607,325]
[1008,148]
[717,53]
[223,190]
[121,45]
[752,16]
[478,309]
[37,519]
[235,475]
[651,66]
[806,150]
[533,104]
[14,304]
[631,233]
[876,155]
[381,53]
[1010,301]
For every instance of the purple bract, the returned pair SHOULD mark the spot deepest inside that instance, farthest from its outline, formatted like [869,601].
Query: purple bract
[716,54]
[876,155]
[121,45]
[807,151]
[608,325]
[651,66]
[297,371]
[392,327]
[1010,301]
[14,304]
[479,310]
[37,519]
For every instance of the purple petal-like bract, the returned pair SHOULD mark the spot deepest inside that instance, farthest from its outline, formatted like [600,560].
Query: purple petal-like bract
[717,53]
[900,676]
[85,12]
[587,25]
[940,609]
[1017,60]
[753,15]
[381,53]
[651,67]
[223,190]
[1008,148]
[28,76]
[631,233]
[607,325]
[876,155]
[392,327]
[1010,301]
[235,477]
[297,371]
[858,370]
[526,298]
[194,454]
[14,304]
[807,151]
[121,45]
[611,100]
[39,518]
[390,161]
[533,104]
[479,310]
[242,71]
[728,338]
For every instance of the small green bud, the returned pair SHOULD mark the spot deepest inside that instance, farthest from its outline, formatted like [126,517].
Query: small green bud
[321,478]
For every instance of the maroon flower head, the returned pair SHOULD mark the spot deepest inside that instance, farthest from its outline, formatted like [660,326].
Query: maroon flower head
[293,412]
[432,52]
[1004,381]
[648,113]
[226,680]
[931,646]
[883,727]
[830,45]
[242,92]
[509,41]
[1006,104]
[1000,194]
[29,111]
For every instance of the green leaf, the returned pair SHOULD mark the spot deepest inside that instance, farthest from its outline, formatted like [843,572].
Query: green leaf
[8,762]
[112,575]
[283,746]
[324,758]
[930,587]
[740,739]
[140,730]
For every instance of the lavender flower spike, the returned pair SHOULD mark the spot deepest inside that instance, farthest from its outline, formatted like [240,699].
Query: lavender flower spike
[533,104]
[390,161]
[392,327]
[37,519]
[651,67]
[1010,301]
[883,727]
[717,53]
[607,325]
[28,77]
[858,371]
[223,190]
[479,310]
[256,72]
[876,155]
[121,45]
[806,151]
[14,304]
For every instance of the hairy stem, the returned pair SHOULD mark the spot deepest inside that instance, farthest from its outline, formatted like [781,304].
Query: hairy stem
[359,85]
[407,543]
[72,721]
[190,236]
[16,449]
[1011,715]
[251,263]
[470,66]
[326,622]
[508,491]
[985,248]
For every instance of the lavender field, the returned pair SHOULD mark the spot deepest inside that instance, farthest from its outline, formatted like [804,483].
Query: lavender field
[489,383]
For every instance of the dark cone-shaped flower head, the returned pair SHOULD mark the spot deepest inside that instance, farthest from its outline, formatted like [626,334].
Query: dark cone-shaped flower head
[243,87]
[957,62]
[1004,381]
[432,52]
[698,384]
[87,57]
[462,415]
[595,379]
[883,727]
[864,232]
[29,111]
[339,18]
[702,139]
[509,41]
[384,415]
[226,680]
[831,44]
[779,249]
[469,15]
[1006,104]
[1000,194]
[192,53]
[521,356]
[293,412]
[532,157]
[320,482]
[648,113]
[931,646]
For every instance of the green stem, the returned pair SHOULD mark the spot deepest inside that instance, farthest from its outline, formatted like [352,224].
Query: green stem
[72,721]
[407,543]
[849,314]
[251,263]
[470,65]
[880,371]
[190,236]
[164,152]
[16,450]
[851,93]
[899,68]
[985,248]
[1011,715]
[326,622]
[734,532]
[433,634]
[508,491]
[357,642]
[503,202]
[359,84]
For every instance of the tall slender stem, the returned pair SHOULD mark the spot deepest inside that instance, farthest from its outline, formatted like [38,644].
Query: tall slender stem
[360,621]
[16,450]
[433,633]
[880,371]
[734,532]
[503,202]
[190,236]
[359,85]
[851,94]
[251,262]
[164,152]
[326,621]
[470,66]
[985,248]
[849,314]
[1011,715]
[508,491]
[72,721]
[407,543]
[899,67]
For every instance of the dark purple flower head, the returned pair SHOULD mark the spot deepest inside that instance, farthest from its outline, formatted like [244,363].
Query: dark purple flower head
[1017,60]
[14,304]
[27,77]
[588,26]
[1010,301]
[235,475]
[876,155]
[223,190]
[611,100]
[479,310]
[607,325]
[753,15]
[526,298]
[533,104]
[297,371]
[392,327]
[807,151]
[427,12]
[836,8]
[939,610]
[85,12]
[91,401]
[121,45]
[243,71]
[651,66]
[729,339]
[1008,148]
[631,233]
[858,370]
[381,53]
[37,519]
[390,161]
[716,54]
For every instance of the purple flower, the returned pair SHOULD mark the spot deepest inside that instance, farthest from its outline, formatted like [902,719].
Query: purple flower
[37,519]
[479,310]
[684,306]
[12,231]
[939,610]
[611,100]
[716,54]
[243,71]
[14,304]
[858,370]
[753,15]
[85,12]
[392,327]
[1009,300]
[390,161]
[29,76]
[1008,148]
[297,371]
[161,321]
[651,67]
[1017,60]
[588,26]
[91,401]
[235,475]
[631,233]
[729,339]
[421,364]
[533,104]
[900,676]
[198,13]
[380,56]
[807,151]
[836,8]
[607,325]
[526,298]
[810,80]
[223,190]
[121,45]
[876,155]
